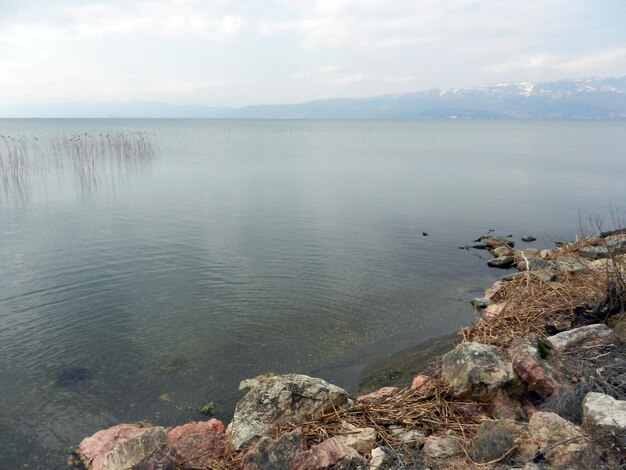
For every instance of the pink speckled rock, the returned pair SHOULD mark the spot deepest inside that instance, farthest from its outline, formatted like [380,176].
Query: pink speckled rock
[419,381]
[325,455]
[379,394]
[198,443]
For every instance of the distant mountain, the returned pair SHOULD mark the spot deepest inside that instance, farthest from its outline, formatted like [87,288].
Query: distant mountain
[591,98]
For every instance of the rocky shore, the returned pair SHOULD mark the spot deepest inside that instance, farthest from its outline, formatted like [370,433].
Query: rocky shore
[537,382]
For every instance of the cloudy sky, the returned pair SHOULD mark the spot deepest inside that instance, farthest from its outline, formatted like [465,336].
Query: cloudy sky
[236,52]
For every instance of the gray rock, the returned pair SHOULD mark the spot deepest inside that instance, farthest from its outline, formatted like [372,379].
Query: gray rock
[502,262]
[480,302]
[384,458]
[436,447]
[475,370]
[274,453]
[570,264]
[539,263]
[494,242]
[504,250]
[605,414]
[583,337]
[280,399]
[528,238]
[594,252]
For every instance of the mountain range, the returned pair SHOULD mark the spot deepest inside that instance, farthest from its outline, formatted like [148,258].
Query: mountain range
[589,98]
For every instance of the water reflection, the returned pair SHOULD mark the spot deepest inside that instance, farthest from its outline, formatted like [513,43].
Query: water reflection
[93,159]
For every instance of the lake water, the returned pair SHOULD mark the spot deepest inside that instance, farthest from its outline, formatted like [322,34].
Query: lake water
[145,288]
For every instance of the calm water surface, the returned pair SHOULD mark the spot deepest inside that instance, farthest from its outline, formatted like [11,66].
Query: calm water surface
[145,289]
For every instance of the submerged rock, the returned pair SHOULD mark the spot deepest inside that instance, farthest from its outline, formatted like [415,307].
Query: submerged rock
[503,262]
[284,398]
[475,370]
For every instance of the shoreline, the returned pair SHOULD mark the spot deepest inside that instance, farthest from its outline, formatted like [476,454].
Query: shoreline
[517,389]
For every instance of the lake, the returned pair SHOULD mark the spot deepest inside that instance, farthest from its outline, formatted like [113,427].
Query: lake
[143,288]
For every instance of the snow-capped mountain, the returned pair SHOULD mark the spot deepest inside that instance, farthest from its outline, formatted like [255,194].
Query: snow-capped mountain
[591,98]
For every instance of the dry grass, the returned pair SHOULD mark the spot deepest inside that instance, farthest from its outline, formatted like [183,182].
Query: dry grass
[530,304]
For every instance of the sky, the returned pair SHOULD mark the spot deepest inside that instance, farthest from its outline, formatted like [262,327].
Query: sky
[239,52]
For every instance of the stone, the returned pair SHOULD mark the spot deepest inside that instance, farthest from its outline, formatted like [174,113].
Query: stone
[504,406]
[494,289]
[475,370]
[198,443]
[280,399]
[594,252]
[157,460]
[528,238]
[274,453]
[494,242]
[383,458]
[440,447]
[605,414]
[543,275]
[571,265]
[562,443]
[480,302]
[493,310]
[326,455]
[583,337]
[362,440]
[537,263]
[248,384]
[497,436]
[542,375]
[502,262]
[378,395]
[406,435]
[119,447]
[503,251]
[419,381]
[545,254]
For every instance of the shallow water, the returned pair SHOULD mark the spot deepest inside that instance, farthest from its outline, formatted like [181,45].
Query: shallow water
[242,247]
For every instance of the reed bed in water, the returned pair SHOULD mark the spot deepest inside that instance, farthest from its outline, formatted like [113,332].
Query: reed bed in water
[88,155]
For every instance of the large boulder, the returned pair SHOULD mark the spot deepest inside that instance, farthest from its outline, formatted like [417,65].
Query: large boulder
[585,336]
[603,413]
[537,365]
[198,443]
[271,453]
[281,399]
[119,447]
[562,443]
[475,370]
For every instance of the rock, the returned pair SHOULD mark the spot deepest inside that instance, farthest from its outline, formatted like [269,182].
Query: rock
[594,252]
[504,406]
[619,327]
[475,370]
[378,395]
[480,302]
[537,263]
[436,447]
[528,238]
[119,447]
[537,367]
[208,409]
[255,381]
[497,436]
[545,254]
[570,264]
[157,460]
[419,381]
[274,453]
[502,251]
[360,439]
[583,337]
[494,242]
[383,458]
[502,262]
[325,456]
[480,246]
[562,443]
[198,443]
[494,289]
[406,435]
[280,399]
[543,275]
[493,310]
[605,414]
